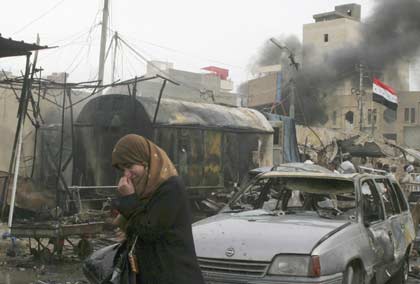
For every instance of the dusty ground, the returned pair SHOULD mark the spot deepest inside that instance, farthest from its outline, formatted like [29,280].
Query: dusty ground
[24,268]
[60,273]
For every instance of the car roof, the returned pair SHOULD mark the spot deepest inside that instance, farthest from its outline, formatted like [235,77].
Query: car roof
[302,170]
[317,175]
[291,167]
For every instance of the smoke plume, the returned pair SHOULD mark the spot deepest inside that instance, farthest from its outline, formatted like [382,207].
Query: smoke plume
[389,35]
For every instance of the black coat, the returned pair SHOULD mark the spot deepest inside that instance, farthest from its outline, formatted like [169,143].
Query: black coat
[165,247]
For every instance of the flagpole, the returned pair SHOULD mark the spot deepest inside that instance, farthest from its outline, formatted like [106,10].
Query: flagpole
[373,114]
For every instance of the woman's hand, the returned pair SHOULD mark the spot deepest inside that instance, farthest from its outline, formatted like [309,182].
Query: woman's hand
[125,186]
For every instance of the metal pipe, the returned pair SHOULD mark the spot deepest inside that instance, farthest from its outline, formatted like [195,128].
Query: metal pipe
[71,128]
[93,187]
[60,157]
[158,102]
[15,180]
[115,56]
[21,119]
[104,32]
[361,97]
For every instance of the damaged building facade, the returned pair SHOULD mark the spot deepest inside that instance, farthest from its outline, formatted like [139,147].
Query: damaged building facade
[346,109]
[330,63]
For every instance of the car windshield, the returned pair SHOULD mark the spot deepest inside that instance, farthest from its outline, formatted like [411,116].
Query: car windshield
[326,198]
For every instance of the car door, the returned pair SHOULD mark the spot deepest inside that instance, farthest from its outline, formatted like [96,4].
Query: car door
[377,229]
[393,216]
[407,219]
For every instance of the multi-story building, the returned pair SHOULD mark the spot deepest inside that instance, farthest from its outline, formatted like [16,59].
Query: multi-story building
[331,31]
[408,120]
[210,86]
[346,110]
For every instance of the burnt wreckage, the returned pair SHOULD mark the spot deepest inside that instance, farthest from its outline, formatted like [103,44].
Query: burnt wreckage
[212,146]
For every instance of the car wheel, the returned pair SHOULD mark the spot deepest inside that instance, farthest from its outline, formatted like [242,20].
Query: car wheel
[353,275]
[401,276]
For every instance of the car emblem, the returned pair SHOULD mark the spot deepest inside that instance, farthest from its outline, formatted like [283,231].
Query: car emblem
[230,252]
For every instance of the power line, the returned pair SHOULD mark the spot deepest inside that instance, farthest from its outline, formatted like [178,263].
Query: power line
[73,41]
[186,53]
[40,17]
[203,91]
[128,61]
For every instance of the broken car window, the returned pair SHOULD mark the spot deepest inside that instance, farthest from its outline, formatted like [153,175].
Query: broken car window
[326,198]
[389,198]
[371,202]
[400,197]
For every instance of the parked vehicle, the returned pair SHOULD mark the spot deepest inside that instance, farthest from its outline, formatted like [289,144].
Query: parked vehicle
[309,226]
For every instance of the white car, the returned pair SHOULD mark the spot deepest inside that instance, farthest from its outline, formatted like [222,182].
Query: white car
[309,227]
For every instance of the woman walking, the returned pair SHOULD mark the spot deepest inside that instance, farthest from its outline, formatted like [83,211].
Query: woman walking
[154,213]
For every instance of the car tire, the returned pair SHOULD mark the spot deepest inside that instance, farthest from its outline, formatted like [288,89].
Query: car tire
[401,276]
[353,275]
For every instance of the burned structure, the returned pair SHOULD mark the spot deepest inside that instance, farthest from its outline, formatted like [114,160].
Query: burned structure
[8,48]
[212,146]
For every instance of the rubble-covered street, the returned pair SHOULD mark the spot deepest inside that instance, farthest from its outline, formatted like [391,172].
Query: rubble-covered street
[23,268]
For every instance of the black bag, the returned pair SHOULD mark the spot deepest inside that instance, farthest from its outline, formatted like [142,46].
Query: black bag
[107,265]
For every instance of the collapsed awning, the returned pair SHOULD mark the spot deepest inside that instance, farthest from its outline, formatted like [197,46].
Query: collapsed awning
[9,47]
[411,155]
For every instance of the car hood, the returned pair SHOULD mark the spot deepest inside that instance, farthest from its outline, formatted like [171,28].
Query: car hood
[260,238]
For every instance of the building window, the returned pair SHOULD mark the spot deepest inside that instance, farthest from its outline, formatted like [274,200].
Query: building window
[325,37]
[390,115]
[334,118]
[413,116]
[349,116]
[410,115]
[406,115]
[276,138]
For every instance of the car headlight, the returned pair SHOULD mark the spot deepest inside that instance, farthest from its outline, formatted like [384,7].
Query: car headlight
[295,265]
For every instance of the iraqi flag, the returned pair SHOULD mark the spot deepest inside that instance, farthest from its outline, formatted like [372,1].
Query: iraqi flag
[384,94]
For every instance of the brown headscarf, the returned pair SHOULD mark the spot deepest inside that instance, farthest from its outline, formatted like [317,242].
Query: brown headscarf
[134,149]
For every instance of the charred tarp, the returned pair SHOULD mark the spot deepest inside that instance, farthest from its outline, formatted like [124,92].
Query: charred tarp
[9,47]
[363,146]
[212,146]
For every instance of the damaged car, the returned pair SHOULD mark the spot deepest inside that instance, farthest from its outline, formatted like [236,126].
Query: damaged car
[309,227]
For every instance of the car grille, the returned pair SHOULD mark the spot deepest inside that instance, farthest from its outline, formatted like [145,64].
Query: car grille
[242,267]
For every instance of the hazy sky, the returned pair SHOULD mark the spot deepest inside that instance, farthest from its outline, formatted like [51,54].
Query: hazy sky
[190,33]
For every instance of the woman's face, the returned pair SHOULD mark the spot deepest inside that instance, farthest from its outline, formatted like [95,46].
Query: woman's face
[134,171]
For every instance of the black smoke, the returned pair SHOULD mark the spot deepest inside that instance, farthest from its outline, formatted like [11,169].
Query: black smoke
[390,34]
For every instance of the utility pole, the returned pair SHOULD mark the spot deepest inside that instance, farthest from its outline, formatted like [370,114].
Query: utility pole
[374,117]
[292,81]
[360,99]
[115,57]
[103,43]
[292,100]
